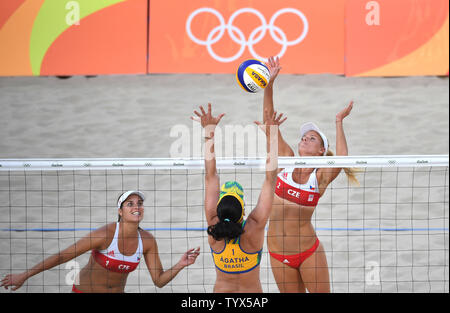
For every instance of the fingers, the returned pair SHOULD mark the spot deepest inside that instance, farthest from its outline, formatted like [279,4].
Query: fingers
[193,251]
[203,110]
[271,63]
[274,119]
[274,64]
[350,106]
[282,121]
[197,119]
[220,117]
[348,109]
[277,118]
[6,281]
[189,252]
[192,255]
[205,114]
[274,61]
[345,112]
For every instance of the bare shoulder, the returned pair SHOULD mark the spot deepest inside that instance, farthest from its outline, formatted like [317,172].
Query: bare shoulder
[325,176]
[104,231]
[108,230]
[252,225]
[145,235]
[148,240]
[319,174]
[253,237]
[102,236]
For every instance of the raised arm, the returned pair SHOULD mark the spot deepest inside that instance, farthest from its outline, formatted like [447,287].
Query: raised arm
[260,214]
[93,240]
[212,182]
[274,69]
[341,142]
[328,175]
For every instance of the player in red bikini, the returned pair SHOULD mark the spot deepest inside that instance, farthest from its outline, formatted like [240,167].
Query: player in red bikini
[297,257]
[116,250]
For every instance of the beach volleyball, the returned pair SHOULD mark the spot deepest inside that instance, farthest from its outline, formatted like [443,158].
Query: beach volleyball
[252,75]
[270,140]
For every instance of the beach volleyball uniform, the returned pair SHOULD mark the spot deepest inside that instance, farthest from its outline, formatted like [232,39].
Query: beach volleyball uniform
[302,194]
[295,260]
[234,260]
[112,260]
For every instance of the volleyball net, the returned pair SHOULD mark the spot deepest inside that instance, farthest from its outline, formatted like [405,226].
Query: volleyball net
[390,233]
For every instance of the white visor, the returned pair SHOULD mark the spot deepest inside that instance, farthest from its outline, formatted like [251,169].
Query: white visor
[125,195]
[311,126]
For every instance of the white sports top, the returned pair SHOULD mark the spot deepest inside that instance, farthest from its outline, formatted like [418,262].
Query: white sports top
[303,194]
[113,260]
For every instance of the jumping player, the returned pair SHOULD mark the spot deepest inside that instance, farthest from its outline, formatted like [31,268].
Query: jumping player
[236,244]
[297,256]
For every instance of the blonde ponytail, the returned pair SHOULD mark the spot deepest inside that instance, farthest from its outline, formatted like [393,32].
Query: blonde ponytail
[350,172]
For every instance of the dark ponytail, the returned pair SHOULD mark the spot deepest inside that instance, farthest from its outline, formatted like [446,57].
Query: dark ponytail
[229,212]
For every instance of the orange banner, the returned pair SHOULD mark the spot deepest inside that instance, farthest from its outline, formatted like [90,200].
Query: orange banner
[397,38]
[351,37]
[82,37]
[205,36]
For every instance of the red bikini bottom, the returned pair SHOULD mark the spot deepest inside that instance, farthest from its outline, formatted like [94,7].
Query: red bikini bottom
[75,290]
[296,260]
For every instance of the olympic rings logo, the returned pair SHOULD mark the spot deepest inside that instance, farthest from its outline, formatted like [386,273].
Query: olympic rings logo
[256,35]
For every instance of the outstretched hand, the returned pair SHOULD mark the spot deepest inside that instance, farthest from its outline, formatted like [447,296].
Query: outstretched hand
[274,67]
[189,257]
[345,112]
[206,118]
[15,280]
[274,120]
